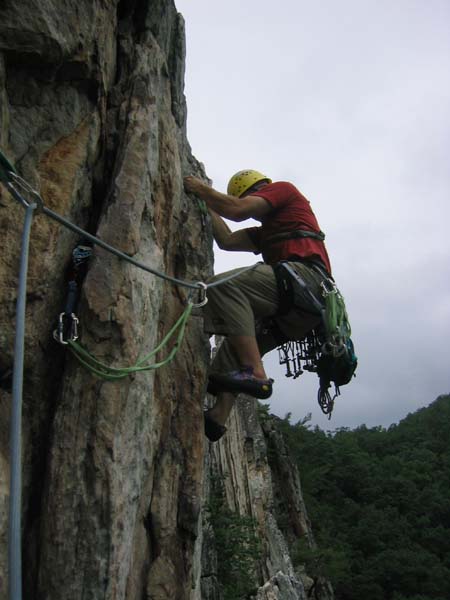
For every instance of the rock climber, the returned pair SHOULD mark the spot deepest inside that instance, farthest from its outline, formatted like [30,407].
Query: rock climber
[250,310]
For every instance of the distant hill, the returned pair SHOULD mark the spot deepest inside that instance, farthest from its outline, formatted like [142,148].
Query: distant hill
[379,502]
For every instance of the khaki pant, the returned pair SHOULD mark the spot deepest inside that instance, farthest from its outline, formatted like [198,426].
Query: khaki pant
[241,305]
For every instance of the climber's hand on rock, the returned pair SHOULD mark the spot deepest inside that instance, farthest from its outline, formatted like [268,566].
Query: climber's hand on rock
[194,185]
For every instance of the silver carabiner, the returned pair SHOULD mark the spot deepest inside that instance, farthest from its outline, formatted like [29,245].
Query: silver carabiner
[203,297]
[34,196]
[59,332]
[329,287]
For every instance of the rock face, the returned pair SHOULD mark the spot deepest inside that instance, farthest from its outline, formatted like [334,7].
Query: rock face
[93,115]
[260,483]
[115,473]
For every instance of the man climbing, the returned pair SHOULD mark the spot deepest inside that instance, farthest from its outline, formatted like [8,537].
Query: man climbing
[254,310]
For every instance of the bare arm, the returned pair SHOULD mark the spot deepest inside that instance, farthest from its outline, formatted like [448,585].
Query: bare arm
[230,207]
[229,240]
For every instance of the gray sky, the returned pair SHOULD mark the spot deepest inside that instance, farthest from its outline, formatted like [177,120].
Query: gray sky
[350,101]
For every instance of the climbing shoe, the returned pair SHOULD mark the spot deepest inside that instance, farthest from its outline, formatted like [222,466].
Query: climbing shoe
[213,430]
[212,388]
[242,381]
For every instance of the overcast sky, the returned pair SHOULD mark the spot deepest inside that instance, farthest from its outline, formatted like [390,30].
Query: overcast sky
[350,101]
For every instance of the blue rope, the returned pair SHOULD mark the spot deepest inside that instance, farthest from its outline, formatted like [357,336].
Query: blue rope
[15,498]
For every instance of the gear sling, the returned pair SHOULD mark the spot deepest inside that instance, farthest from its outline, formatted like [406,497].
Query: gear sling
[327,350]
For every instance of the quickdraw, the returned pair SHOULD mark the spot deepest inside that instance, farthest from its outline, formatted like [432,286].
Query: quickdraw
[68,322]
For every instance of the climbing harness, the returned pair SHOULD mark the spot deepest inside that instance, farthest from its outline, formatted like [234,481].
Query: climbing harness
[328,350]
[295,235]
[293,291]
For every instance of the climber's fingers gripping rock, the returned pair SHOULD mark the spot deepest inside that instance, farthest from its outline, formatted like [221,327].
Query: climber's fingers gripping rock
[194,185]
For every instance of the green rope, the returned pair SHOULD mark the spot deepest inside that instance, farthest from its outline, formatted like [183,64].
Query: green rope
[113,373]
[337,325]
[202,206]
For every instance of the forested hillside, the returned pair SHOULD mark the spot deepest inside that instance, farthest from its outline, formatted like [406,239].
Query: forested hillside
[379,502]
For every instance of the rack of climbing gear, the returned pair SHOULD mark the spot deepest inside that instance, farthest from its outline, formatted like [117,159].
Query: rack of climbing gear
[300,355]
[328,350]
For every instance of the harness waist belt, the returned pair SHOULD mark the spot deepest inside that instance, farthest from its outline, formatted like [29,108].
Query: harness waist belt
[294,235]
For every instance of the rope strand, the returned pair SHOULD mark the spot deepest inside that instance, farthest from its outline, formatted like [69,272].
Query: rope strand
[15,499]
[114,373]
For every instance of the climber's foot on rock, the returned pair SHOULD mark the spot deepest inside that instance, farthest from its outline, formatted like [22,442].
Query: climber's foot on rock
[213,430]
[242,381]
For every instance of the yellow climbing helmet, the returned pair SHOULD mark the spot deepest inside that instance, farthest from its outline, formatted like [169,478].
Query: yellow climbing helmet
[243,181]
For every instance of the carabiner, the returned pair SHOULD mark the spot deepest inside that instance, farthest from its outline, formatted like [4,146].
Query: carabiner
[329,287]
[66,331]
[203,297]
[17,182]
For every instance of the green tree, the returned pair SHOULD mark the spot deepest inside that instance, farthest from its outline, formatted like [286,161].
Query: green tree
[238,545]
[379,503]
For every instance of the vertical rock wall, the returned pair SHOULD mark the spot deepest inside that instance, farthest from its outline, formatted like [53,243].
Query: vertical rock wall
[92,113]
[262,483]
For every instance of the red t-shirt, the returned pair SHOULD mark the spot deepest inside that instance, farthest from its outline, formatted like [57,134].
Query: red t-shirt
[291,211]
